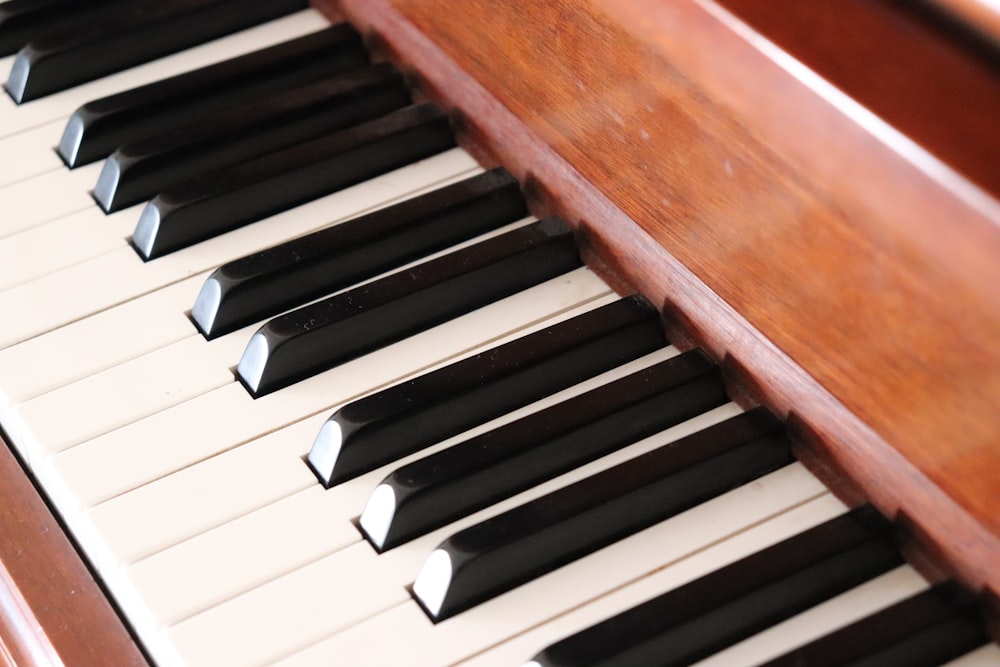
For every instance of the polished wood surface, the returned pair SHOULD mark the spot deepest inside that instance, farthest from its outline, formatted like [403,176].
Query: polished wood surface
[850,274]
[52,612]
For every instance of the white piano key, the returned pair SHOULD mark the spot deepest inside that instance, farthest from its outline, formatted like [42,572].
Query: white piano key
[61,243]
[46,362]
[30,152]
[824,618]
[121,395]
[119,275]
[17,118]
[191,501]
[667,546]
[148,519]
[344,502]
[46,196]
[194,431]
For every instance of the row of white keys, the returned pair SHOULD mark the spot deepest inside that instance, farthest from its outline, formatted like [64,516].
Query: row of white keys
[503,318]
[30,152]
[417,641]
[268,473]
[119,275]
[142,386]
[185,434]
[207,555]
[356,567]
[47,196]
[41,249]
[147,520]
[18,118]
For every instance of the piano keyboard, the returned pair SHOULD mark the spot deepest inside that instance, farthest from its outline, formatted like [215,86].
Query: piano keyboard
[199,506]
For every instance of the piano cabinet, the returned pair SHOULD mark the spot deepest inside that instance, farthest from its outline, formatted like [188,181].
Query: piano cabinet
[844,275]
[830,238]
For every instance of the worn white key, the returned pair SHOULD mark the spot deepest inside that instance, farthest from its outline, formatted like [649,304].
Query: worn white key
[30,152]
[111,337]
[660,548]
[119,275]
[46,196]
[215,582]
[824,618]
[149,519]
[193,431]
[63,242]
[17,118]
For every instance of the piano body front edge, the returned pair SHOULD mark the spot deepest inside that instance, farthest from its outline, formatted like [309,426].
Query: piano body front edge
[842,275]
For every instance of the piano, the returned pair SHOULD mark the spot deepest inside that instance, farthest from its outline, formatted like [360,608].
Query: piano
[809,196]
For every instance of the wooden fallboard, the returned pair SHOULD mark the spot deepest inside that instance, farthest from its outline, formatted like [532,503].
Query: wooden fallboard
[849,276]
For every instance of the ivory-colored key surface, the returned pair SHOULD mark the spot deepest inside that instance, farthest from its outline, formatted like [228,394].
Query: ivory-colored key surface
[31,152]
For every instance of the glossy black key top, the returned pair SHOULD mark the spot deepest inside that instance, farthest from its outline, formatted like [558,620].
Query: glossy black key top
[100,126]
[486,469]
[735,602]
[140,32]
[293,273]
[135,172]
[25,20]
[229,198]
[925,630]
[535,538]
[400,420]
[321,335]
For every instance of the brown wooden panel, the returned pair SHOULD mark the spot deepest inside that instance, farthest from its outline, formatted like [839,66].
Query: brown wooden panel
[851,274]
[52,612]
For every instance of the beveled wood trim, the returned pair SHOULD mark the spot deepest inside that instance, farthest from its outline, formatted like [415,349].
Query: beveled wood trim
[52,612]
[851,274]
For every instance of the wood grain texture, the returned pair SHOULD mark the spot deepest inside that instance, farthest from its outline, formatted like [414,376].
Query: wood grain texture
[850,273]
[52,612]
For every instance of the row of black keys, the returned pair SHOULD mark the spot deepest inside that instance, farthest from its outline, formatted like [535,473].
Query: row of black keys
[519,545]
[215,162]
[529,540]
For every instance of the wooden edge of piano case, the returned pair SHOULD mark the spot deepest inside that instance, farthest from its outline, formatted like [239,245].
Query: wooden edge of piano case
[846,274]
[52,612]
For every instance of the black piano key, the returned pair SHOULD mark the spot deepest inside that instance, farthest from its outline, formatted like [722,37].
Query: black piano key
[400,420]
[925,630]
[321,335]
[455,482]
[229,198]
[24,20]
[135,172]
[535,538]
[735,602]
[100,126]
[291,274]
[139,32]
